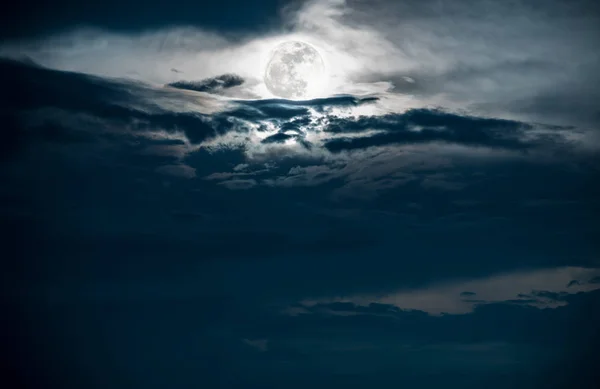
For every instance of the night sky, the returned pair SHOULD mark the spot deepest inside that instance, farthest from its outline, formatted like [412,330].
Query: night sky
[425,215]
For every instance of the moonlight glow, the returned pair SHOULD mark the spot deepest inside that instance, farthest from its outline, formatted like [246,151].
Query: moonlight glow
[295,71]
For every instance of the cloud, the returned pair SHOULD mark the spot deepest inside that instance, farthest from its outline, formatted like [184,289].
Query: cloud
[138,107]
[422,219]
[212,85]
[595,280]
[552,296]
[572,283]
[417,126]
[456,56]
[440,54]
[238,184]
[151,129]
[318,103]
[240,167]
[330,141]
[543,288]
[181,170]
[277,138]
[416,329]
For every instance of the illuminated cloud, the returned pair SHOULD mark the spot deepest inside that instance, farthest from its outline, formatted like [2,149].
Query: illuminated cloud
[505,65]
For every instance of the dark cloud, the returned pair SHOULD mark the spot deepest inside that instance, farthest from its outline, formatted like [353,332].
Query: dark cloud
[270,111]
[334,101]
[280,137]
[555,296]
[423,125]
[28,88]
[211,85]
[521,301]
[488,320]
[595,280]
[297,111]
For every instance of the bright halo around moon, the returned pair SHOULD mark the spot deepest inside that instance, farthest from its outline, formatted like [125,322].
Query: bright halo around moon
[295,71]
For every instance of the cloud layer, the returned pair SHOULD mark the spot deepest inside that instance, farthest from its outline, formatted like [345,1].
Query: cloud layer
[429,221]
[492,59]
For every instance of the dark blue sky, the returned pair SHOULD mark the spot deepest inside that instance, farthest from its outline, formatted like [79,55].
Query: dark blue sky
[430,229]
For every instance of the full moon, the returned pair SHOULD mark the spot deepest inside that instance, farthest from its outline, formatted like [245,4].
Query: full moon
[295,71]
